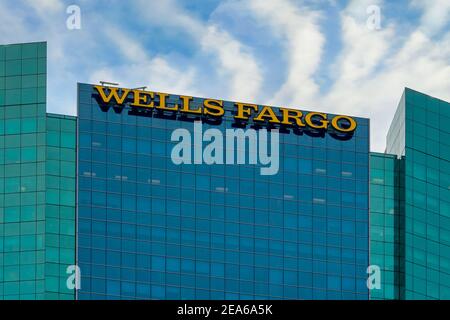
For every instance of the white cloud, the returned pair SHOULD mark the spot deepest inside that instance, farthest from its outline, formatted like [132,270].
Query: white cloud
[436,15]
[139,69]
[234,61]
[12,26]
[370,71]
[303,42]
[363,49]
[375,67]
[46,7]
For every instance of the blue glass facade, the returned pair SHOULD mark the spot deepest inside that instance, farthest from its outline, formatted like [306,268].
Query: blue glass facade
[150,229]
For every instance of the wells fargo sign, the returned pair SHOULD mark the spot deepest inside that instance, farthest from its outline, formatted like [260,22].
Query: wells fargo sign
[213,108]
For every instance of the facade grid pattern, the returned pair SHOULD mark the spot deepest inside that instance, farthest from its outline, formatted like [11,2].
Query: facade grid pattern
[22,170]
[149,229]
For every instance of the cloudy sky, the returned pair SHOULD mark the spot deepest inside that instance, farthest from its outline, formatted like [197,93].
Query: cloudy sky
[320,55]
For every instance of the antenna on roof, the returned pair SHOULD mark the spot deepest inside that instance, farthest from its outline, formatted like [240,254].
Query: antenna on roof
[108,83]
[140,88]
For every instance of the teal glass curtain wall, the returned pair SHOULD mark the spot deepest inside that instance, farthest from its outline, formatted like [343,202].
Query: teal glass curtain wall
[22,170]
[60,205]
[386,224]
[420,134]
[37,181]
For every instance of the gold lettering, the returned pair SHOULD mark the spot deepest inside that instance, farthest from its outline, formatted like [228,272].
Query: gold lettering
[213,107]
[338,127]
[244,110]
[113,93]
[309,120]
[186,105]
[267,112]
[163,103]
[290,114]
[143,99]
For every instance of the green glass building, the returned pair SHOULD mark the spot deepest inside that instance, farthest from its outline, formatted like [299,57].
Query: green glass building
[384,223]
[410,202]
[37,174]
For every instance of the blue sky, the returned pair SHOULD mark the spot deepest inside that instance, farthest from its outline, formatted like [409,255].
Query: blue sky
[313,55]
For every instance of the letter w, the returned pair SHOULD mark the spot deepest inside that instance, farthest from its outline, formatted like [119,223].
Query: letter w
[113,92]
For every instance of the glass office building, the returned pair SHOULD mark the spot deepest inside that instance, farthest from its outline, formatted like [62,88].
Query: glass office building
[385,223]
[37,181]
[419,138]
[150,229]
